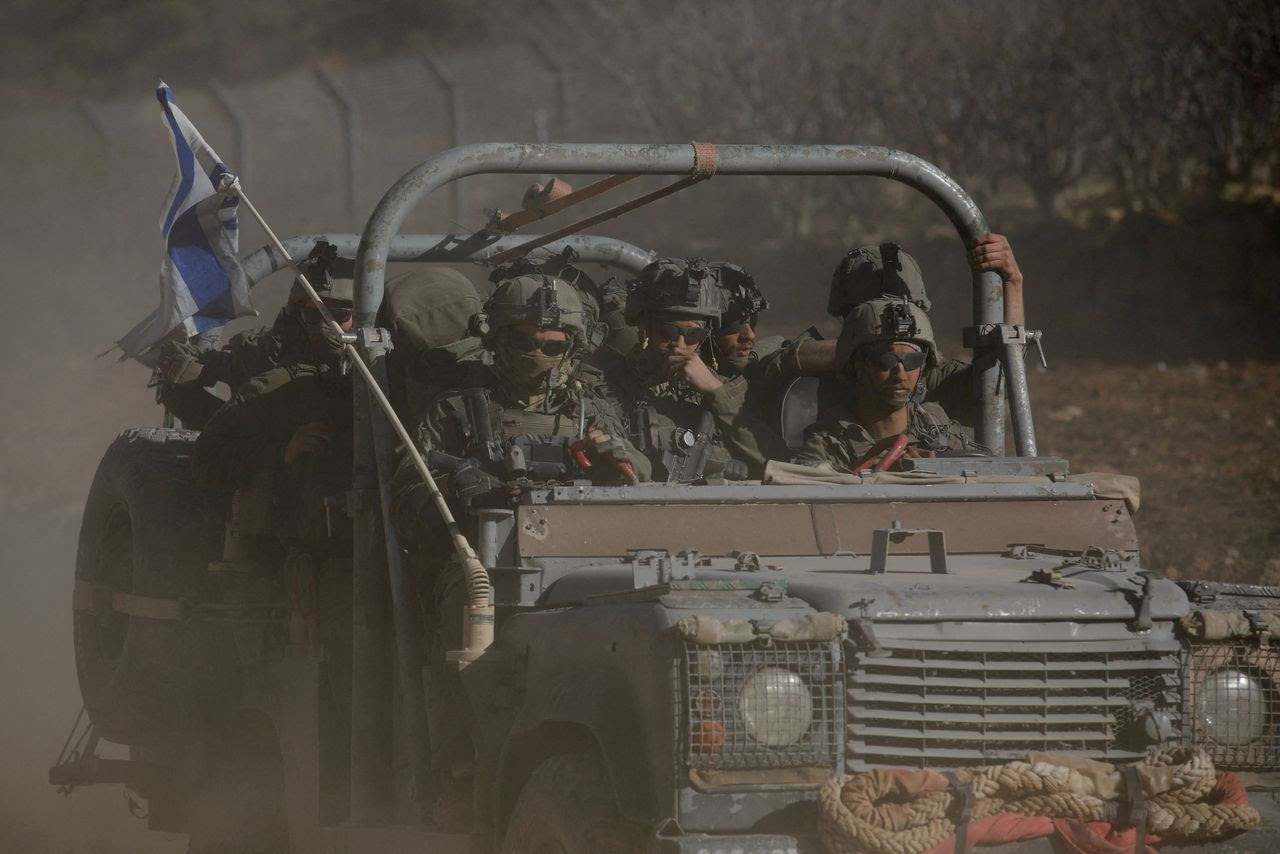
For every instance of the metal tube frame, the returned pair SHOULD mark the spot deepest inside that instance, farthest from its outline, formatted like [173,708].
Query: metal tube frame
[678,160]
[448,248]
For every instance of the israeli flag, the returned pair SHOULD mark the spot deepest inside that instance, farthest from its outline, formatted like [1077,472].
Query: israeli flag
[202,285]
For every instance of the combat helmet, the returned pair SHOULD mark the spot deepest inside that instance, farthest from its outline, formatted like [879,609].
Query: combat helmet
[561,266]
[739,295]
[671,286]
[329,275]
[545,301]
[867,272]
[886,319]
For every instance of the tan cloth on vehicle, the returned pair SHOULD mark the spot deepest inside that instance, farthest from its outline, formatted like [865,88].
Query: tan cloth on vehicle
[1105,484]
[1108,484]
[1215,625]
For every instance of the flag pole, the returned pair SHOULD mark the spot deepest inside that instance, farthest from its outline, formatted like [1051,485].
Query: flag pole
[461,546]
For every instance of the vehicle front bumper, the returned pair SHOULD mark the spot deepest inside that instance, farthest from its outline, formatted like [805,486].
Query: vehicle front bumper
[1264,839]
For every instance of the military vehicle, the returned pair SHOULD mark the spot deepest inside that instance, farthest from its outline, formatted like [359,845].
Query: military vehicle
[672,667]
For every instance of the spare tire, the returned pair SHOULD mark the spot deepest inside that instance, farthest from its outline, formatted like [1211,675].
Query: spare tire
[148,533]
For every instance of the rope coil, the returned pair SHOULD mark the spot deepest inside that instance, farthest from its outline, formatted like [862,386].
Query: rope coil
[908,812]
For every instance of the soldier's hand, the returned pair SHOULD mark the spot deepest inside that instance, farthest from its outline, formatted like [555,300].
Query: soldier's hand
[606,445]
[471,481]
[993,252]
[614,450]
[178,363]
[599,437]
[694,371]
[917,453]
[311,438]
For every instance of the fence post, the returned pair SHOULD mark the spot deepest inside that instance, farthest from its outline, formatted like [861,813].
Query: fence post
[243,166]
[562,84]
[453,94]
[350,111]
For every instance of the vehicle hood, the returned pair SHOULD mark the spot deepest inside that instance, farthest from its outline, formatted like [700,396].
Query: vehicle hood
[976,587]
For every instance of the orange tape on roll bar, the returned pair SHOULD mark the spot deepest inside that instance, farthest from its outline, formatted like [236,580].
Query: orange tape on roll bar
[704,166]
[519,219]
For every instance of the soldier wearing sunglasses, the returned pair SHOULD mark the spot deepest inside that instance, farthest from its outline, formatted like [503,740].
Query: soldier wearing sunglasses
[676,406]
[535,327]
[528,415]
[886,269]
[884,345]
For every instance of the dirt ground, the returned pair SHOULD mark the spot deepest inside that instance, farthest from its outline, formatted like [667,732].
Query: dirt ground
[1202,440]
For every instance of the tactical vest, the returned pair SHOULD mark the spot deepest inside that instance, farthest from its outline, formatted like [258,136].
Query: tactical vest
[484,430]
[678,436]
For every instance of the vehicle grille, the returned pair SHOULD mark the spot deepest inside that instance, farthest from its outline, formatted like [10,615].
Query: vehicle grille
[1233,703]
[715,734]
[930,703]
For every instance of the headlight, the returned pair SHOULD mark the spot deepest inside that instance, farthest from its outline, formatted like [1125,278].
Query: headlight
[1232,706]
[776,707]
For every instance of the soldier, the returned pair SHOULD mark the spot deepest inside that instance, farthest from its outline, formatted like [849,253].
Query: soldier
[676,408]
[884,344]
[736,343]
[292,405]
[296,407]
[185,372]
[751,369]
[867,272]
[521,417]
[525,416]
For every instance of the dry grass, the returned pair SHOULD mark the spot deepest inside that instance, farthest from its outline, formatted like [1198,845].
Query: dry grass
[1202,439]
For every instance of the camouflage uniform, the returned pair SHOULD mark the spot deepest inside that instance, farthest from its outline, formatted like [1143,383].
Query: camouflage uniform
[660,417]
[750,392]
[671,423]
[447,428]
[841,440]
[251,432]
[564,408]
[470,426]
[186,370]
[886,269]
[242,447]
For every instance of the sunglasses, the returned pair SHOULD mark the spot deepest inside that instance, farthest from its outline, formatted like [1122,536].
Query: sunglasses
[889,360]
[691,334]
[530,343]
[341,314]
[731,327]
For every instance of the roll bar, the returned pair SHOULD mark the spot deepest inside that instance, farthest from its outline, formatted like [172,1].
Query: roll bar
[449,248]
[678,160]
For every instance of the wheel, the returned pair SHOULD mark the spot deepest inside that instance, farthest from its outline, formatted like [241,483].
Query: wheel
[148,531]
[568,807]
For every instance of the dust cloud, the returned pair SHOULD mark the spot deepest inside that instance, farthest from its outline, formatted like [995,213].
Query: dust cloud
[1115,290]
